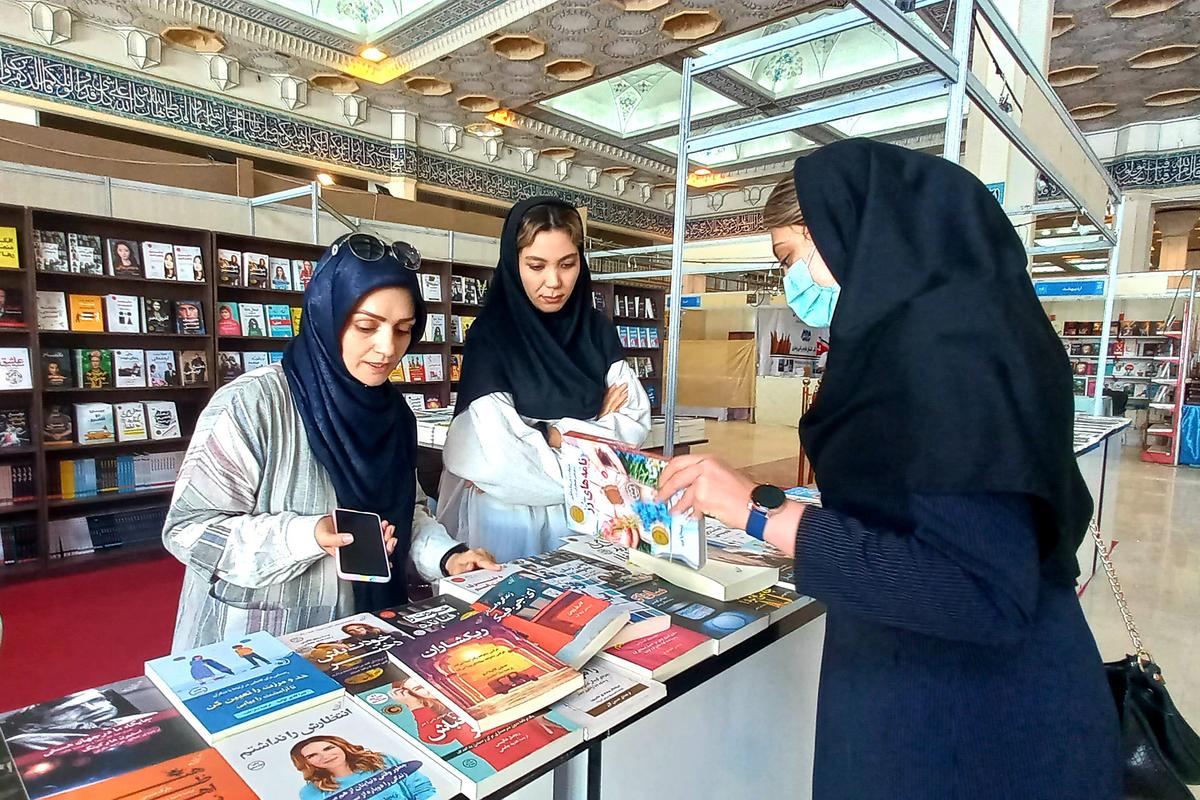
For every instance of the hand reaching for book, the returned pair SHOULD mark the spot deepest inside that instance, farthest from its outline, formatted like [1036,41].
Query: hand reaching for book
[615,399]
[471,560]
[330,540]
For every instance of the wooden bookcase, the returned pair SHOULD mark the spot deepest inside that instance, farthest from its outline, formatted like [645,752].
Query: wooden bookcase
[658,297]
[190,401]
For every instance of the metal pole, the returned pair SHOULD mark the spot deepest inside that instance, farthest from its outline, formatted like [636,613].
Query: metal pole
[964,27]
[1110,296]
[676,296]
[316,212]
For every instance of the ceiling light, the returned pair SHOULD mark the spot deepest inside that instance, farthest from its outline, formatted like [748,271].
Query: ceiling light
[325,179]
[373,54]
[702,171]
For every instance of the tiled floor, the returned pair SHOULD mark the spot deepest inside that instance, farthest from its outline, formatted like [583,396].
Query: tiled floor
[1157,557]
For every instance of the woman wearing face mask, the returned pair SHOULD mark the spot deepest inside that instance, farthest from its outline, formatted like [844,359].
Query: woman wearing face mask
[957,660]
[539,361]
[278,449]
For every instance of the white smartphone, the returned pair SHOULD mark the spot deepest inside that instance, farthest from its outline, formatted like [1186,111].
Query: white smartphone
[366,558]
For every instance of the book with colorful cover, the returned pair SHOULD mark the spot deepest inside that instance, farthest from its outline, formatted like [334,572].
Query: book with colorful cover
[610,493]
[279,321]
[777,602]
[10,778]
[87,312]
[302,272]
[124,258]
[609,696]
[256,271]
[483,763]
[661,656]
[425,617]
[229,267]
[12,308]
[335,750]
[570,624]
[229,321]
[129,369]
[56,369]
[10,249]
[352,651]
[225,688]
[281,274]
[93,369]
[194,775]
[189,317]
[414,368]
[455,367]
[189,263]
[154,260]
[255,360]
[14,428]
[485,672]
[86,254]
[50,251]
[297,315]
[93,736]
[726,623]
[435,370]
[254,319]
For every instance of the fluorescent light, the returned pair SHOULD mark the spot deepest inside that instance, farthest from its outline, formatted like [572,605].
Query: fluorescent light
[325,179]
[702,171]
[373,54]
[1040,270]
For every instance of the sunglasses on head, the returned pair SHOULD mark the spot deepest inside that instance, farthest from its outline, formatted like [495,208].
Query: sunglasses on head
[367,247]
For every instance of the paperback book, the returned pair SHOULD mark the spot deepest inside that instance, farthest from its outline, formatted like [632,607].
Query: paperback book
[279,321]
[431,288]
[86,254]
[189,263]
[281,274]
[52,311]
[569,624]
[425,617]
[162,419]
[335,750]
[725,623]
[50,251]
[256,272]
[253,318]
[435,328]
[57,428]
[94,423]
[189,317]
[352,651]
[229,367]
[124,258]
[14,428]
[609,697]
[87,312]
[12,308]
[255,360]
[94,369]
[155,258]
[159,315]
[486,673]
[129,367]
[228,320]
[610,493]
[10,248]
[232,686]
[229,267]
[297,314]
[131,422]
[95,736]
[124,313]
[161,370]
[302,272]
[661,656]
[193,367]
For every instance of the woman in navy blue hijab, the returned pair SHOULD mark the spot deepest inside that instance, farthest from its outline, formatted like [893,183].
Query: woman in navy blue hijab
[281,447]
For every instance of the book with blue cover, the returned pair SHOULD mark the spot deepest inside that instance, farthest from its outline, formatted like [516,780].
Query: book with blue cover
[225,688]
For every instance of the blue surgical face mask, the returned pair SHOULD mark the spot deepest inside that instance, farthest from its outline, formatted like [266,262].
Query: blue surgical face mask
[812,303]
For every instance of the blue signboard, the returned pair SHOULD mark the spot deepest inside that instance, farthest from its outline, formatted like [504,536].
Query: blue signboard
[687,301]
[997,190]
[1081,288]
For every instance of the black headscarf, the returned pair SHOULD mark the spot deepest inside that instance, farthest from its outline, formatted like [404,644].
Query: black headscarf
[364,436]
[553,365]
[944,374]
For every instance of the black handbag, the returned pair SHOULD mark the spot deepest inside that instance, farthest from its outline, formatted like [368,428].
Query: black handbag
[1160,752]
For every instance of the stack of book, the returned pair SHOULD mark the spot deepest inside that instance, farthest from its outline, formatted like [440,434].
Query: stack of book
[633,307]
[89,477]
[17,484]
[18,542]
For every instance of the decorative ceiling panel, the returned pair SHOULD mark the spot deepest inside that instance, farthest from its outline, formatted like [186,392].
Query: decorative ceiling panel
[1111,44]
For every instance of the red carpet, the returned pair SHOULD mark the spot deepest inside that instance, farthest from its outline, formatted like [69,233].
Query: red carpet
[68,633]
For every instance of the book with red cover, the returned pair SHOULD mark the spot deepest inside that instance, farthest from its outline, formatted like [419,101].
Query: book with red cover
[485,672]
[570,624]
[663,655]
[204,773]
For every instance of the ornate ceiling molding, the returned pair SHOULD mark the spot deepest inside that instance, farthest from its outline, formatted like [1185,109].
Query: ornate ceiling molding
[467,30]
[613,151]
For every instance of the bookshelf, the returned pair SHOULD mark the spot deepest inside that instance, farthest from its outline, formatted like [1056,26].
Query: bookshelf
[622,302]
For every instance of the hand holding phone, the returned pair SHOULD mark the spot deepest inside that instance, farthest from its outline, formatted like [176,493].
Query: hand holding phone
[361,544]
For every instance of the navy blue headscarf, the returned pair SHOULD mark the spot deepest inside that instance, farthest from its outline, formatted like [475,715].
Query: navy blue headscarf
[364,436]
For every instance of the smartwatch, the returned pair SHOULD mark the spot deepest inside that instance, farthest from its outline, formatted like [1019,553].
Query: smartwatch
[764,501]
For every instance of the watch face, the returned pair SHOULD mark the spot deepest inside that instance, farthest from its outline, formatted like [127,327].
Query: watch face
[768,497]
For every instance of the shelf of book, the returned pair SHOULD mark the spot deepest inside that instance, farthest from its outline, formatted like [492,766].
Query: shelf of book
[111,497]
[180,442]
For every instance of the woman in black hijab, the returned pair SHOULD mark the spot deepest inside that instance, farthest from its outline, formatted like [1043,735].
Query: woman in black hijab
[957,660]
[539,361]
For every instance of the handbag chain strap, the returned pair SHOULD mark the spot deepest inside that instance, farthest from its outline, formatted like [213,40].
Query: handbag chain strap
[1115,584]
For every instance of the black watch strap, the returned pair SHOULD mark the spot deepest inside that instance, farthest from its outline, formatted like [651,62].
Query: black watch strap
[453,551]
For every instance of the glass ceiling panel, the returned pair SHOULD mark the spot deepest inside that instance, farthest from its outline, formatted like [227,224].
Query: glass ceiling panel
[746,151]
[637,101]
[859,52]
[364,19]
[888,120]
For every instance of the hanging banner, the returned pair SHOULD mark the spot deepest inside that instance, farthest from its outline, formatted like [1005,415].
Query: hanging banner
[1059,288]
[786,346]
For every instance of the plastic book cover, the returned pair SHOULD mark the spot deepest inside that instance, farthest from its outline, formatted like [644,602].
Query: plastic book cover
[124,257]
[154,260]
[352,651]
[279,321]
[281,274]
[93,369]
[254,319]
[189,317]
[256,271]
[95,735]
[229,267]
[252,360]
[86,254]
[50,251]
[302,272]
[228,320]
[336,749]
[610,493]
[10,248]
[94,423]
[239,683]
[189,264]
[129,368]
[570,624]
[485,672]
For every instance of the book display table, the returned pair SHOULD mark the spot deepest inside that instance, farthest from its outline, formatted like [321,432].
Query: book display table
[1098,453]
